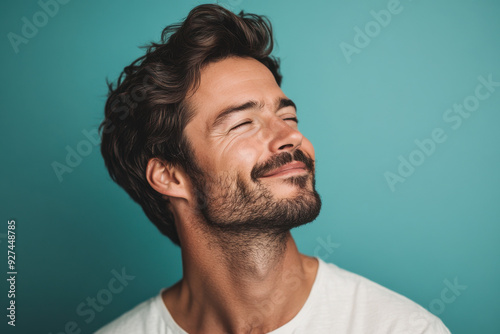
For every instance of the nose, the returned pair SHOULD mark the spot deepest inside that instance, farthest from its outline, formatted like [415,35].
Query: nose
[283,136]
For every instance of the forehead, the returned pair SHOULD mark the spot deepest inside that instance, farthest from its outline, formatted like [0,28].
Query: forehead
[228,82]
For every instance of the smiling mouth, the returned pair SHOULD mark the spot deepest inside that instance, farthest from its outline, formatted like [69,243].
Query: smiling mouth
[292,168]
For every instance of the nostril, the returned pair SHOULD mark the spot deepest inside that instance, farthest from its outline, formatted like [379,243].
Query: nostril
[286,146]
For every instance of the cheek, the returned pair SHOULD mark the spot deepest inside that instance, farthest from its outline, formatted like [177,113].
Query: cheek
[239,158]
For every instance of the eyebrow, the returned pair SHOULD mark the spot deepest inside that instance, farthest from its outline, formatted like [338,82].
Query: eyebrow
[280,103]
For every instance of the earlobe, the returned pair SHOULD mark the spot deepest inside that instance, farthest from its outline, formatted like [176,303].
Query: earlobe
[165,178]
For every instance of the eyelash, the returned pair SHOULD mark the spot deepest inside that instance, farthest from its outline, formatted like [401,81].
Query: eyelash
[249,122]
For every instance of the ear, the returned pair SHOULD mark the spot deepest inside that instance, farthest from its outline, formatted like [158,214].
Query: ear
[166,179]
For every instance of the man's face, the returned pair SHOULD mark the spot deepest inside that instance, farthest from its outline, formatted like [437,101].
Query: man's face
[257,169]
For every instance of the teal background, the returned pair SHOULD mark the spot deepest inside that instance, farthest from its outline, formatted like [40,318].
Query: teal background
[441,223]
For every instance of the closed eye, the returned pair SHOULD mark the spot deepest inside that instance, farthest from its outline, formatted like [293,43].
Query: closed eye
[250,122]
[292,119]
[241,124]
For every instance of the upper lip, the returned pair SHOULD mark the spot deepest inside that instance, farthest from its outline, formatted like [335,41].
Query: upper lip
[291,165]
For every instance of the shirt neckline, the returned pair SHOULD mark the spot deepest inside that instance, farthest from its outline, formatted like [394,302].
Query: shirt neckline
[304,311]
[167,317]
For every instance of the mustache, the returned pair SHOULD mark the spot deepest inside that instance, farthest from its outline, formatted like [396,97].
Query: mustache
[279,160]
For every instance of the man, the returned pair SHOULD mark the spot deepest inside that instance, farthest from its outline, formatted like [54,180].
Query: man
[208,144]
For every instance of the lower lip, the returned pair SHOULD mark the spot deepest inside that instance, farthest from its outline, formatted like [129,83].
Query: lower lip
[287,172]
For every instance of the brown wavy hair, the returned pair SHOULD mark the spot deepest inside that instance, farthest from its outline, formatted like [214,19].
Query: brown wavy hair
[146,113]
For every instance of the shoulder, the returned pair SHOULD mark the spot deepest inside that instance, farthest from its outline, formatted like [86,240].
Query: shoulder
[143,318]
[374,305]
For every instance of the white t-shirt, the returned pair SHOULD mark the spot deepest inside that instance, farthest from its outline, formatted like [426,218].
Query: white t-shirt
[339,302]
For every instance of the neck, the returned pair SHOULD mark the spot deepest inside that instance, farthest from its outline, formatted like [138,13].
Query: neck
[254,256]
[239,284]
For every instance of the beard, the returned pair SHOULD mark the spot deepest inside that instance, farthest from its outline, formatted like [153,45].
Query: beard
[231,207]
